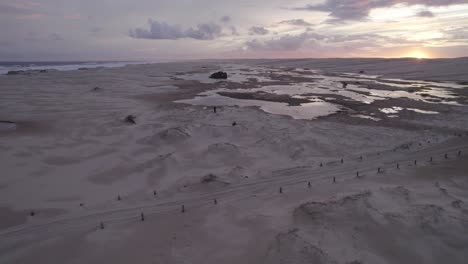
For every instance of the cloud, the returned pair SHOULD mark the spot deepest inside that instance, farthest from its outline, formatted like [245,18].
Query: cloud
[158,30]
[72,16]
[359,9]
[55,36]
[258,31]
[95,30]
[21,10]
[5,44]
[162,30]
[6,9]
[225,19]
[457,33]
[233,30]
[287,42]
[204,31]
[309,38]
[31,37]
[296,22]
[356,37]
[425,13]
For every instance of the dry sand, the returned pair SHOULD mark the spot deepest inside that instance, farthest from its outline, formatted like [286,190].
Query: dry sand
[74,162]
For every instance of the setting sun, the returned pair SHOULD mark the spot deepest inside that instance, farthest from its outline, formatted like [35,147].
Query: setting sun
[417,54]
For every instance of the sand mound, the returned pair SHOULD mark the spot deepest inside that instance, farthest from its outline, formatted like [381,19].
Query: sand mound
[208,182]
[10,217]
[384,226]
[156,168]
[209,178]
[290,248]
[174,134]
[222,152]
[168,136]
[161,167]
[238,172]
[222,148]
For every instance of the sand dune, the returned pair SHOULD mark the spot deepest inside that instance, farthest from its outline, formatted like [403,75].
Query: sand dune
[380,177]
[386,225]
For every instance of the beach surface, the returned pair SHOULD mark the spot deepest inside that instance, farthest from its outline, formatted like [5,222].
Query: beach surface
[286,161]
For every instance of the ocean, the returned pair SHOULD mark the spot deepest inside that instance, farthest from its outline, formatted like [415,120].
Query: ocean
[5,67]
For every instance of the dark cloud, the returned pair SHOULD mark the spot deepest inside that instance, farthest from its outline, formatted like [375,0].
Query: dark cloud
[425,13]
[204,31]
[258,31]
[158,30]
[225,19]
[359,9]
[296,22]
[162,30]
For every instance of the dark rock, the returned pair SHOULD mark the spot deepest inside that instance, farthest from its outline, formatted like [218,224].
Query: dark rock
[457,204]
[14,72]
[209,178]
[130,119]
[7,122]
[219,75]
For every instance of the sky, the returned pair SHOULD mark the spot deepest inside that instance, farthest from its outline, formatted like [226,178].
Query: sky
[157,30]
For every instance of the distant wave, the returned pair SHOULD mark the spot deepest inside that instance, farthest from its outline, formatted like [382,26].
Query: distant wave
[5,67]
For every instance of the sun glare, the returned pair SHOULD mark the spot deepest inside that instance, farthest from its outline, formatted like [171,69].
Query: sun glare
[417,54]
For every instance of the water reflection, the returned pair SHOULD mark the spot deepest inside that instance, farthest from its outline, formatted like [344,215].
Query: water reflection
[324,94]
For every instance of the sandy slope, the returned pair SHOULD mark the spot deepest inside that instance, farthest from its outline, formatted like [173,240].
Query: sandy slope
[72,147]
